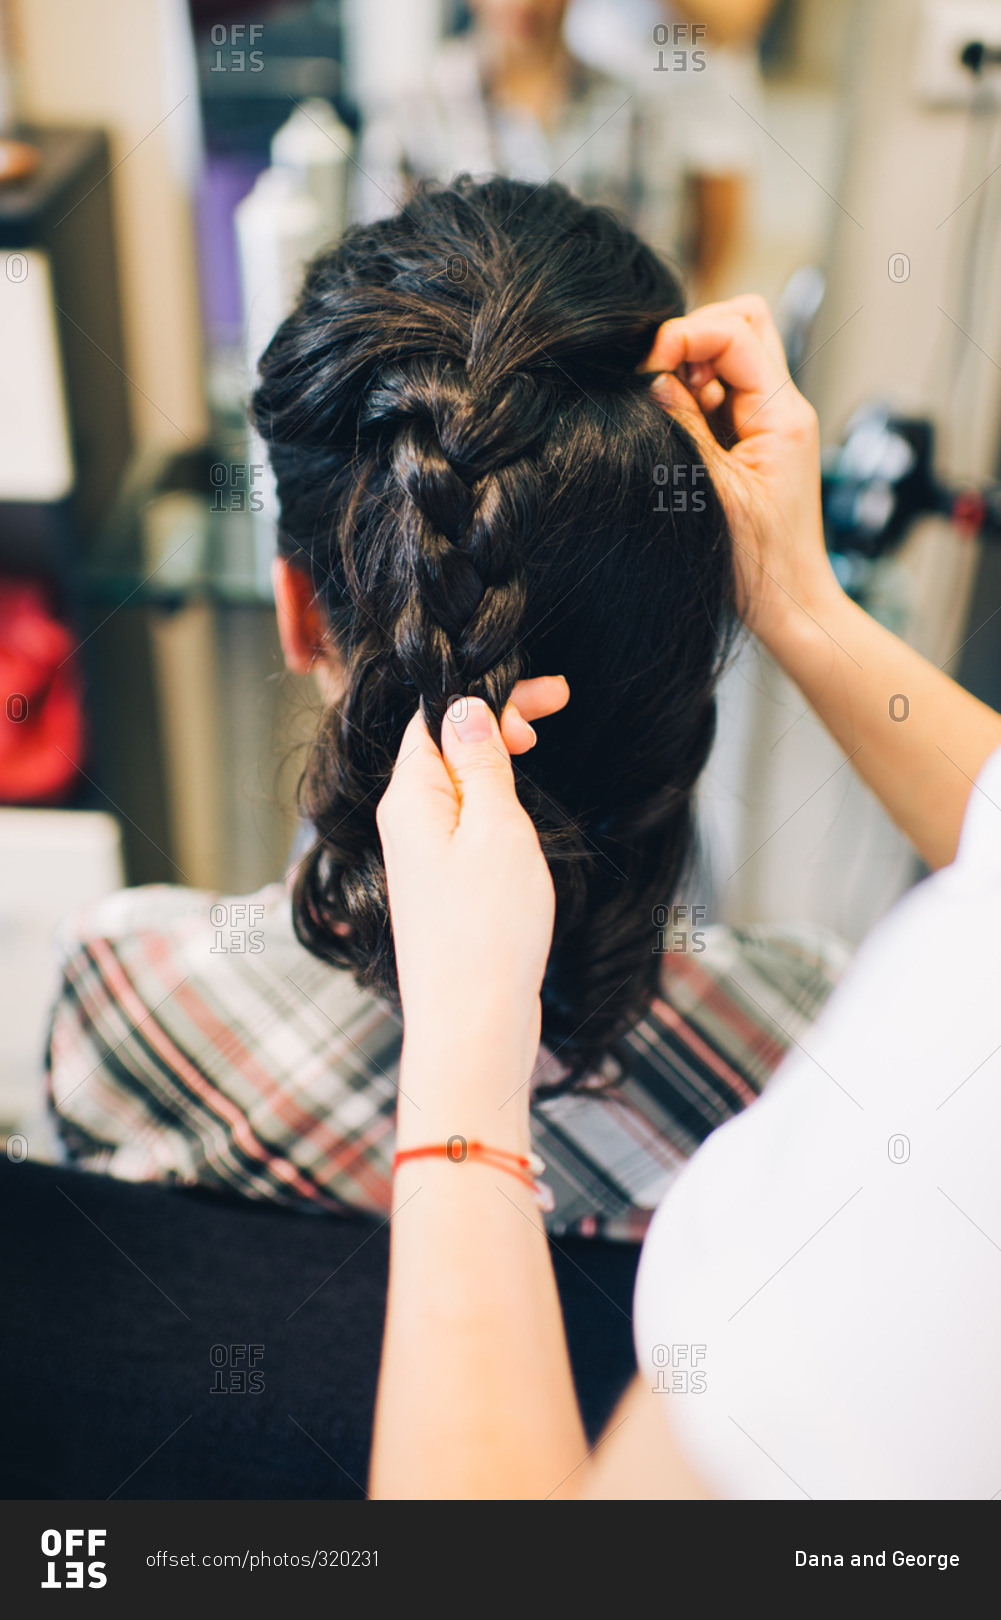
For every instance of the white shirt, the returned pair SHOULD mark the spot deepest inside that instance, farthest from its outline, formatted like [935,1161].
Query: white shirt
[830,1261]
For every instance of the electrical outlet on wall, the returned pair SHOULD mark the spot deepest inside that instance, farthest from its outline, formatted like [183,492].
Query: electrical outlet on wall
[945,29]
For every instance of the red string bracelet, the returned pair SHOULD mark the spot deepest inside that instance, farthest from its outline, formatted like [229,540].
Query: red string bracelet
[525,1167]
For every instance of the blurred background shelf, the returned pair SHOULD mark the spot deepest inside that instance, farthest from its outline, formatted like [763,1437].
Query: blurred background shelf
[184,527]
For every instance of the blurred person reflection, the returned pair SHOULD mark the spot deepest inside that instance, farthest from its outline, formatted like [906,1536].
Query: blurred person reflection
[509,97]
[697,67]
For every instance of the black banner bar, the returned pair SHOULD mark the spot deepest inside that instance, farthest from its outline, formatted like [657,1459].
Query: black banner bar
[106,1555]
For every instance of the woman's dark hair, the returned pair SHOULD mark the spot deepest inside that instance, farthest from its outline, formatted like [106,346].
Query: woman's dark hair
[482,489]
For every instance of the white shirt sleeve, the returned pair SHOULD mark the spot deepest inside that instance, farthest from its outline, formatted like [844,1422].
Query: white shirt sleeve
[830,1261]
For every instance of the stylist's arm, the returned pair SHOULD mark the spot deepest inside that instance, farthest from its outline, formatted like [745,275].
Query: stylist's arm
[475,1397]
[915,737]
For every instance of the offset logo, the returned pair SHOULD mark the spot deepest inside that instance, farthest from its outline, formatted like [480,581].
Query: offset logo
[64,1567]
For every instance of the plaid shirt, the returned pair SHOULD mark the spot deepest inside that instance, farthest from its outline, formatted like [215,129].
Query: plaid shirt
[195,1040]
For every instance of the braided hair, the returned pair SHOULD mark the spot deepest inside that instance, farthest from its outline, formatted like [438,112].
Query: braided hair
[482,489]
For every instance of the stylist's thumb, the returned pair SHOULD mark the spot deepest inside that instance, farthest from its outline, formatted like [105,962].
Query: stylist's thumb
[477,758]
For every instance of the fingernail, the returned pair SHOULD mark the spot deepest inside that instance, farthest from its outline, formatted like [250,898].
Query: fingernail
[470,719]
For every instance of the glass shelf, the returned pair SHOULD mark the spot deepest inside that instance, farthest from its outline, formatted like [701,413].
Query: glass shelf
[177,536]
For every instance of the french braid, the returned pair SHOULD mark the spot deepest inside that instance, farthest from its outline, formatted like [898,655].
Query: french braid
[467,466]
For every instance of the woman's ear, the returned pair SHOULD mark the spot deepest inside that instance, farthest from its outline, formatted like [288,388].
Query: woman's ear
[300,622]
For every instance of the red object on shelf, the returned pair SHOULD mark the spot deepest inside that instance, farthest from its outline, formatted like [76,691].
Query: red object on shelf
[969,510]
[41,709]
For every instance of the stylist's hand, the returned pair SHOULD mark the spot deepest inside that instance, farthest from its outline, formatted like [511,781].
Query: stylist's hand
[726,381]
[470,894]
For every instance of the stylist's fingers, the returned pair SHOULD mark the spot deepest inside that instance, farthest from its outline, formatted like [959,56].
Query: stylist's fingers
[421,794]
[478,762]
[750,309]
[724,341]
[755,311]
[704,385]
[531,700]
[672,394]
[711,396]
[518,735]
[541,695]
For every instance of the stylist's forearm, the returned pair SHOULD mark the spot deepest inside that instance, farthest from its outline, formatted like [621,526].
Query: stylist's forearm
[476,1395]
[915,737]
